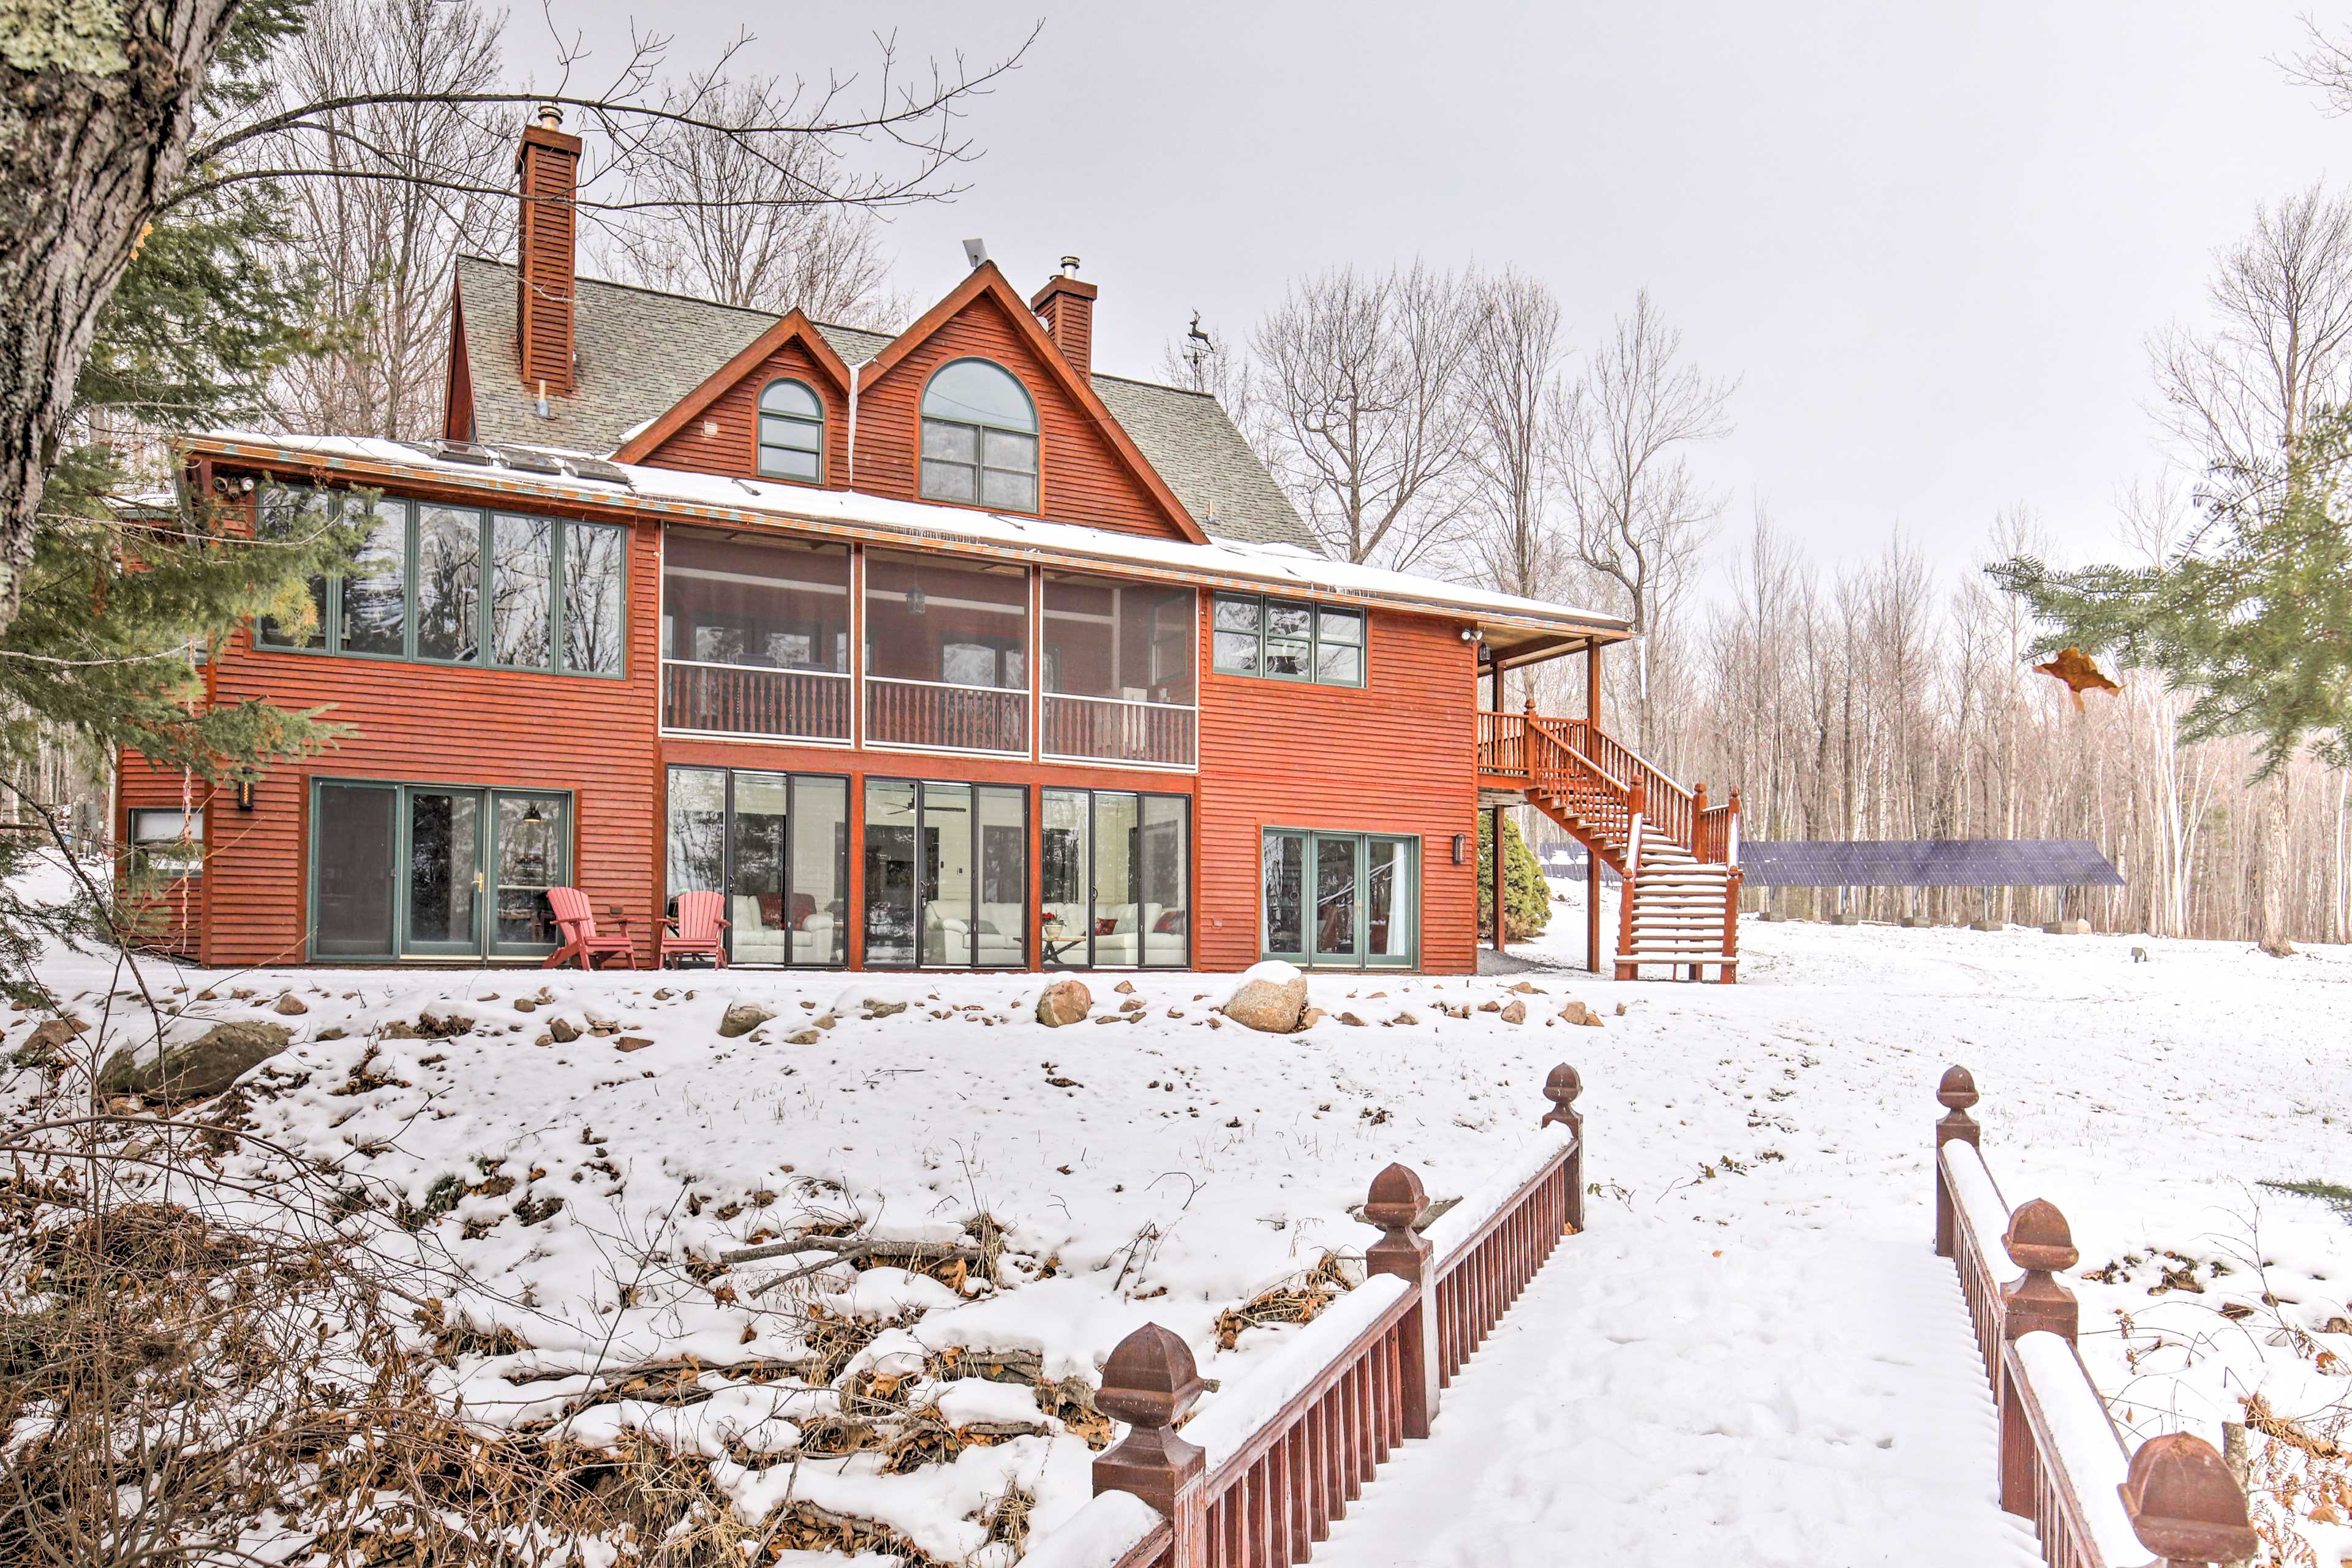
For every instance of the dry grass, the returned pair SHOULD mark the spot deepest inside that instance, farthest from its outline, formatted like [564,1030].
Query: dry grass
[1298,1300]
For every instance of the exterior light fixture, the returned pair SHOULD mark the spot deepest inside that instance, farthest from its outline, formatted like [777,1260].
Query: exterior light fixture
[914,600]
[243,789]
[1460,848]
[530,813]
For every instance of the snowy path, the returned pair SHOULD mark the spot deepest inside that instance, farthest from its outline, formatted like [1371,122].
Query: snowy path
[1652,1401]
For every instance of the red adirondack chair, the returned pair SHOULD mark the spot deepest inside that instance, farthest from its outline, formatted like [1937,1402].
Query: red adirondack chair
[583,943]
[694,931]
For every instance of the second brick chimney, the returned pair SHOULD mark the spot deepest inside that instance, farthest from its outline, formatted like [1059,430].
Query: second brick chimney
[548,164]
[1067,307]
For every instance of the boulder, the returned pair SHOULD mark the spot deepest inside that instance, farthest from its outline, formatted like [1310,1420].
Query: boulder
[290,1006]
[1578,1012]
[565,1031]
[1269,1005]
[199,1069]
[741,1018]
[1517,1013]
[804,1037]
[1063,1001]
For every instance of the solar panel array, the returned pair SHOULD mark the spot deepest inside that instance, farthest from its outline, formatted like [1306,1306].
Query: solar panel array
[1926,863]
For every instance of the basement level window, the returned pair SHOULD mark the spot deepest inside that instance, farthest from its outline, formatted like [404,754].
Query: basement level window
[168,844]
[1276,640]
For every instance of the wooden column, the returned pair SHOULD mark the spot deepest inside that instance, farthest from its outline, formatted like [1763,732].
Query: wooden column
[1591,856]
[1956,1093]
[1494,821]
[2039,1242]
[1150,1383]
[1396,1203]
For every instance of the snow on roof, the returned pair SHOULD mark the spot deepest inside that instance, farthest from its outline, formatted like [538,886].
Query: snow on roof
[723,497]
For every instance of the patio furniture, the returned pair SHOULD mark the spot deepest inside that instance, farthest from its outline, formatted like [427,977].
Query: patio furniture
[694,931]
[583,943]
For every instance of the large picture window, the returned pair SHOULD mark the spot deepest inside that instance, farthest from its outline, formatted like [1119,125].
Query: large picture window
[947,875]
[980,437]
[1117,875]
[777,846]
[458,585]
[755,636]
[435,870]
[946,654]
[1281,641]
[1340,900]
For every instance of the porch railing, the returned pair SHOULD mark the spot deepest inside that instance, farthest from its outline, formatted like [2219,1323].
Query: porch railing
[1568,755]
[738,700]
[1116,730]
[932,713]
[1240,1489]
[2095,1501]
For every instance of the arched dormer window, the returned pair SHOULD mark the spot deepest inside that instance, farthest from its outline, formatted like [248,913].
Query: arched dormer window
[792,432]
[980,437]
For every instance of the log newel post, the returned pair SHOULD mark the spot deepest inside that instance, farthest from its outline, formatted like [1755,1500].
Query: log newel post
[1956,1093]
[1396,1203]
[1150,1383]
[1561,1088]
[2039,1242]
[2184,1504]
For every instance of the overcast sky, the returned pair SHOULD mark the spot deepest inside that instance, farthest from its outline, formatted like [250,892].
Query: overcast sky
[1930,240]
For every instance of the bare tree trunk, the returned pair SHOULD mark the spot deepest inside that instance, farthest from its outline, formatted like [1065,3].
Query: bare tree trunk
[96,106]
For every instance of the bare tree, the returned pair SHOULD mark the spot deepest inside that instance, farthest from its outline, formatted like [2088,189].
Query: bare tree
[380,233]
[1513,400]
[1362,382]
[99,134]
[1639,516]
[737,223]
[2239,392]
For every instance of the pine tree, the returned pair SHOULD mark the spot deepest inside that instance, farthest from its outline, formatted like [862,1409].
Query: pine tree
[2254,614]
[1526,898]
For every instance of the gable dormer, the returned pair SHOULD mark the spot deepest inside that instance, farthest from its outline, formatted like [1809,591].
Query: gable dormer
[933,383]
[777,410]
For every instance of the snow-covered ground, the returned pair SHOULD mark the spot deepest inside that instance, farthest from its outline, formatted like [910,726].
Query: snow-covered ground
[1752,1348]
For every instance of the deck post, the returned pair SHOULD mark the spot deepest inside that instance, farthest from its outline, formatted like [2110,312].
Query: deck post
[2184,1504]
[2038,1241]
[1956,1093]
[1149,1381]
[1592,856]
[1502,880]
[1562,1088]
[1396,1203]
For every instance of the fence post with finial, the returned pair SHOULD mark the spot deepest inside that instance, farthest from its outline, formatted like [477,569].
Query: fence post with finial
[2184,1504]
[1956,1093]
[2039,1242]
[1396,1203]
[1149,1381]
[1562,1088]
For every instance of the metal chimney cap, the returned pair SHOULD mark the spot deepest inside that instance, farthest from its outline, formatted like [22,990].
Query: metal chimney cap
[1069,266]
[551,115]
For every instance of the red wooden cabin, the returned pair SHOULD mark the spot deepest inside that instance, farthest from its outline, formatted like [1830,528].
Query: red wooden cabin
[933,649]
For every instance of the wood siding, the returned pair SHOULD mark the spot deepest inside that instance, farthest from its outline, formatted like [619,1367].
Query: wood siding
[1081,479]
[178,911]
[1397,755]
[735,449]
[429,724]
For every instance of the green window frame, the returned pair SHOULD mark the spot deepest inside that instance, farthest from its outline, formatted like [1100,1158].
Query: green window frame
[1323,904]
[980,438]
[792,432]
[583,629]
[1282,639]
[489,891]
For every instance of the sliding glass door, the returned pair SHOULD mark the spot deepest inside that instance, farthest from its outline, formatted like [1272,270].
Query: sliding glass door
[1344,900]
[435,870]
[1116,869]
[777,846]
[947,875]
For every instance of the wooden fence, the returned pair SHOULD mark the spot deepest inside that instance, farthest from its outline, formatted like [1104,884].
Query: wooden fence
[1260,1476]
[2094,1501]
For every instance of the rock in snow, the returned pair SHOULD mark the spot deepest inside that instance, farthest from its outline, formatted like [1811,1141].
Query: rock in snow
[1269,998]
[202,1067]
[1065,1002]
[741,1018]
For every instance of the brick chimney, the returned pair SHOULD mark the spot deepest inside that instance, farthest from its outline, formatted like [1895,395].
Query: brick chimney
[1067,308]
[548,164]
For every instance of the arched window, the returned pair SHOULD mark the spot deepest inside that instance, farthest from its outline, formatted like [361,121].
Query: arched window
[980,437]
[792,432]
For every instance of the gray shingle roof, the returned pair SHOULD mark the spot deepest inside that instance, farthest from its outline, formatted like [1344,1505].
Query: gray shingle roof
[641,351]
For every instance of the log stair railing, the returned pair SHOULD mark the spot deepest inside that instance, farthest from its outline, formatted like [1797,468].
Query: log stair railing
[1261,1476]
[2095,1501]
[1677,856]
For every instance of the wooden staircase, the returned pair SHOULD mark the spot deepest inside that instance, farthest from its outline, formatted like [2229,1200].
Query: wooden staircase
[1678,857]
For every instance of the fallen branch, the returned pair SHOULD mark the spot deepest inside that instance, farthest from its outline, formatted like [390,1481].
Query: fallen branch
[2260,1417]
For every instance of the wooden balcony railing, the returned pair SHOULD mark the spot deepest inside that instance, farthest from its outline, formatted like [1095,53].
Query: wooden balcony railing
[1585,762]
[736,699]
[1238,1488]
[931,714]
[1113,730]
[2094,1501]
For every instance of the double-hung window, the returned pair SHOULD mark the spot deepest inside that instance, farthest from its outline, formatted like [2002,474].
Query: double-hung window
[1279,640]
[447,585]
